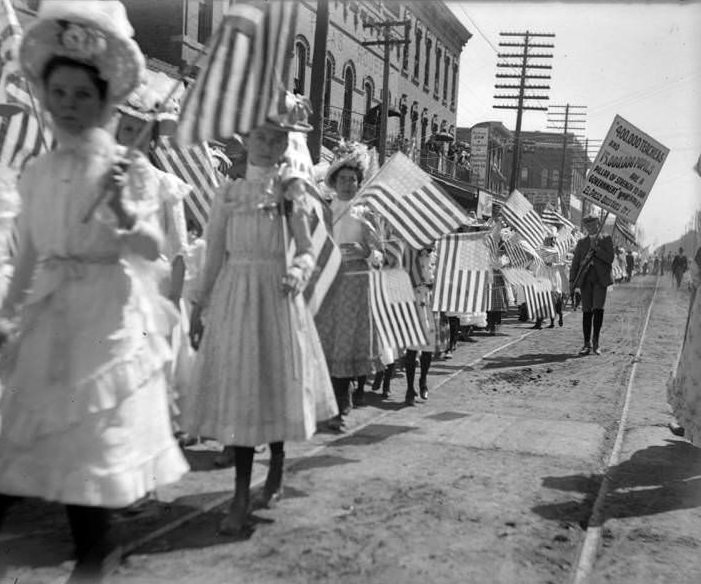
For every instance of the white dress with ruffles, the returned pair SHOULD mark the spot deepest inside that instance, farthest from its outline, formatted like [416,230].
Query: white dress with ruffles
[260,375]
[85,413]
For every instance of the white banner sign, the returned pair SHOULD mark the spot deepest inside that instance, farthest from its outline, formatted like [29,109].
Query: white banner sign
[478,155]
[624,171]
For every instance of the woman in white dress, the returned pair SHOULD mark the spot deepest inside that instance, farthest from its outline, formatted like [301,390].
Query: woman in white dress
[260,374]
[684,388]
[85,413]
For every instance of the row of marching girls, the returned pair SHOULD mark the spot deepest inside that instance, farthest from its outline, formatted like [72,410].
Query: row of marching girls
[87,321]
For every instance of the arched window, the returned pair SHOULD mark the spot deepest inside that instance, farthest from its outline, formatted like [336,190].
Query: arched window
[369,88]
[436,84]
[417,54]
[434,123]
[330,70]
[301,55]
[424,124]
[348,86]
[427,66]
[446,75]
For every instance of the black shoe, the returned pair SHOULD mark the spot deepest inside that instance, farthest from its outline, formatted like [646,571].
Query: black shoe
[585,350]
[676,429]
[410,397]
[423,391]
[596,350]
[358,398]
[559,322]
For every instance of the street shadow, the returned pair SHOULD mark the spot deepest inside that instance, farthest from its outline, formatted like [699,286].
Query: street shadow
[657,479]
[372,434]
[526,360]
[376,400]
[313,462]
[447,416]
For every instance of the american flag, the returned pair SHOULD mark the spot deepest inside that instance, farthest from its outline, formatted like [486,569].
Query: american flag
[564,241]
[623,234]
[536,292]
[552,217]
[463,274]
[520,214]
[328,255]
[492,240]
[412,203]
[23,134]
[194,165]
[394,311]
[519,252]
[246,68]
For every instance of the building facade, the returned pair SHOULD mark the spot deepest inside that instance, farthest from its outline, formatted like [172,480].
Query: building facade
[424,74]
[541,166]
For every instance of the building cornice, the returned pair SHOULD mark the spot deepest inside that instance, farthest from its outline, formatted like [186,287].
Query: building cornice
[440,20]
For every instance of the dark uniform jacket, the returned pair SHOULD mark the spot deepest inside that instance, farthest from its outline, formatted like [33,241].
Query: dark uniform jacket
[601,261]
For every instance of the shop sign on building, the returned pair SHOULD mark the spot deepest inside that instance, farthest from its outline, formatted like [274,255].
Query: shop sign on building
[479,142]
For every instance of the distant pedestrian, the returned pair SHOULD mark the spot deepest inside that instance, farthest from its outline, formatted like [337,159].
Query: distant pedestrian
[630,265]
[679,265]
[591,273]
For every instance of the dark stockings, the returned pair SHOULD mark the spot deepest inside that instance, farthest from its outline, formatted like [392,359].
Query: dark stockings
[410,368]
[586,326]
[598,321]
[383,379]
[341,388]
[96,554]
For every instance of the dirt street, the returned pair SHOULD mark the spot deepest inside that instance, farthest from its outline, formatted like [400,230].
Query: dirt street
[492,480]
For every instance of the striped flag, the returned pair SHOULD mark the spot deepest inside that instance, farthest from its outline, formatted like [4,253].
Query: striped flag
[412,203]
[241,81]
[492,240]
[328,256]
[564,241]
[463,274]
[394,311]
[328,259]
[552,217]
[194,165]
[520,214]
[23,135]
[536,292]
[519,252]
[623,234]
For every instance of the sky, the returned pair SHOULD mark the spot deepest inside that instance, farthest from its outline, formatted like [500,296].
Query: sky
[640,60]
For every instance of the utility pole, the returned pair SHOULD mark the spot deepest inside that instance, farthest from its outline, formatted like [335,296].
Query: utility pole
[318,82]
[522,97]
[387,42]
[563,122]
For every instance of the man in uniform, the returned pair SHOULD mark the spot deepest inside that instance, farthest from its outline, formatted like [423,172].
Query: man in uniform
[591,273]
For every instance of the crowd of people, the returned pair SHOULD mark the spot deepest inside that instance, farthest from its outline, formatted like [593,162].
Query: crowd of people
[124,333]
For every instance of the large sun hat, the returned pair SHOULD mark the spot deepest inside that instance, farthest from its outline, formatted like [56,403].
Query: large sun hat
[353,155]
[94,32]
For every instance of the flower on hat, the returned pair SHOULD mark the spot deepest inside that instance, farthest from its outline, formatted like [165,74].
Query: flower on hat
[83,42]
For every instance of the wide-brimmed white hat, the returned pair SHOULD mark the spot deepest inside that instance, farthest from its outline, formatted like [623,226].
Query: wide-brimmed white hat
[353,155]
[95,32]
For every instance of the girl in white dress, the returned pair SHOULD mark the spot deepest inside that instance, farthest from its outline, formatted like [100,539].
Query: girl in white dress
[85,413]
[260,374]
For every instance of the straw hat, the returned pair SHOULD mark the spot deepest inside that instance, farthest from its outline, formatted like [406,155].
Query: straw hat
[351,155]
[94,32]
